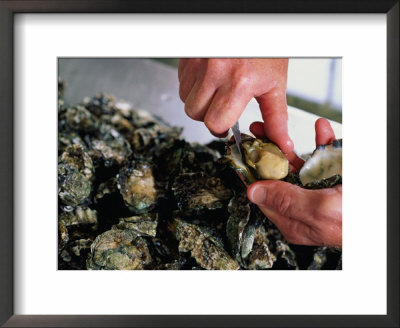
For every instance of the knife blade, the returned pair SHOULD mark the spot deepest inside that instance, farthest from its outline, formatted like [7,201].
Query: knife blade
[236,135]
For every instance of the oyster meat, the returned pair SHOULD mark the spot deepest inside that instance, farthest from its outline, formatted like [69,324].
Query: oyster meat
[261,159]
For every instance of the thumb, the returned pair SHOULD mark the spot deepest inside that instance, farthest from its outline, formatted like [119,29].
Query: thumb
[285,199]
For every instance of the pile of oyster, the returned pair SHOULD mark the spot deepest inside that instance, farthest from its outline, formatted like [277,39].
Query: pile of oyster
[133,194]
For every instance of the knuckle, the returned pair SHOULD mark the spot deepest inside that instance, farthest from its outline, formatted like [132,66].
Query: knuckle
[214,126]
[215,66]
[191,112]
[242,82]
[281,202]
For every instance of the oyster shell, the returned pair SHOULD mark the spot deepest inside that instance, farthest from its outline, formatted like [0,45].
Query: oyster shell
[119,250]
[79,118]
[76,156]
[240,241]
[100,104]
[261,159]
[76,232]
[79,217]
[111,147]
[198,192]
[73,187]
[324,167]
[144,225]
[204,248]
[137,186]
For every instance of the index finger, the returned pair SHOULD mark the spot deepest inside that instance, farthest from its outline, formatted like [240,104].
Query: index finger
[274,112]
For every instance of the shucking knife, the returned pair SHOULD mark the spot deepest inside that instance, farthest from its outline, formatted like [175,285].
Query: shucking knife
[236,135]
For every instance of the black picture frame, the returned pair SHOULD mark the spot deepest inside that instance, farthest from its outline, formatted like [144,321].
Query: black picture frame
[10,7]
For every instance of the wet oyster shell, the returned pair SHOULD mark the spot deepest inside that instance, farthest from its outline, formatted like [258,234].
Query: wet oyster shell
[111,147]
[137,186]
[206,250]
[119,250]
[198,192]
[80,119]
[73,187]
[76,156]
[81,216]
[144,225]
[261,256]
[324,168]
[239,239]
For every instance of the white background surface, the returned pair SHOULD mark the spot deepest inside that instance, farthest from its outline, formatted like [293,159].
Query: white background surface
[308,78]
[360,288]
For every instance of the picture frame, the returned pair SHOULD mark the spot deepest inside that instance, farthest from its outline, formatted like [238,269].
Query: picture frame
[7,10]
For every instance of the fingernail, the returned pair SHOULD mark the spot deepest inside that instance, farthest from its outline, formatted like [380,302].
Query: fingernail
[257,195]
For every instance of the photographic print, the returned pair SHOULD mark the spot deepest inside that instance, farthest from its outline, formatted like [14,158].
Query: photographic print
[147,181]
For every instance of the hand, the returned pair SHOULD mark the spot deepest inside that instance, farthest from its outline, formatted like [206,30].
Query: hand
[305,217]
[216,91]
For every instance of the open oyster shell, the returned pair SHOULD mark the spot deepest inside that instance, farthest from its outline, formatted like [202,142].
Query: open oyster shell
[324,167]
[260,159]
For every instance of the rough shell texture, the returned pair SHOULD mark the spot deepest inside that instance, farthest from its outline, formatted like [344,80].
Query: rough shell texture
[111,147]
[144,225]
[119,250]
[76,156]
[73,187]
[208,252]
[196,192]
[137,186]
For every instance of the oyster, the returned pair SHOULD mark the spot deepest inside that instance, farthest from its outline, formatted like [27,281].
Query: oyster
[207,251]
[119,250]
[76,156]
[100,104]
[66,139]
[144,225]
[79,118]
[137,186]
[197,192]
[73,187]
[111,147]
[79,217]
[240,241]
[77,230]
[324,168]
[261,159]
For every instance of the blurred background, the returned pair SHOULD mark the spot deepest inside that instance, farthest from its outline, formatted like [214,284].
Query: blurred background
[314,90]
